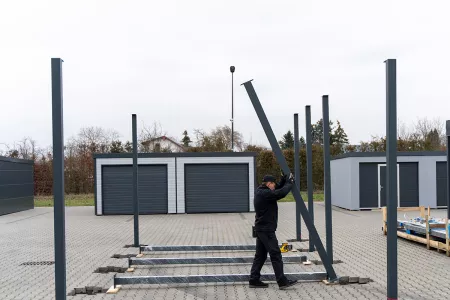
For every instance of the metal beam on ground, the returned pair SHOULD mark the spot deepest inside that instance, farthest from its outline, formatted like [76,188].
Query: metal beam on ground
[126,280]
[309,169]
[326,176]
[58,178]
[391,178]
[295,191]
[198,248]
[134,261]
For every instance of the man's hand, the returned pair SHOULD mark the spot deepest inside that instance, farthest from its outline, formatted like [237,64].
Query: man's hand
[291,178]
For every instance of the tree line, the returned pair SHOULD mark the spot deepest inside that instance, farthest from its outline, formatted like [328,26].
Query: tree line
[424,135]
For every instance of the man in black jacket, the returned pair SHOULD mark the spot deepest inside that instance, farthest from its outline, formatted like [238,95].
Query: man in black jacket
[266,220]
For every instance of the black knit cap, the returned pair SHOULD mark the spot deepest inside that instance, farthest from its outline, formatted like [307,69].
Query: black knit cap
[269,178]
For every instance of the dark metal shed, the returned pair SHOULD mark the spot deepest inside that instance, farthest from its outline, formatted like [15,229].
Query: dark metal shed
[16,185]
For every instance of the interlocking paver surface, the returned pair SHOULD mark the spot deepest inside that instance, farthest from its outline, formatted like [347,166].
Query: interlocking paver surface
[92,240]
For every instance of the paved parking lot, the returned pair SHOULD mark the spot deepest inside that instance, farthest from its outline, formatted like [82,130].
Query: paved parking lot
[91,241]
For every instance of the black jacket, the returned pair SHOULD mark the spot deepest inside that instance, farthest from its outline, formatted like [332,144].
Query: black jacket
[266,207]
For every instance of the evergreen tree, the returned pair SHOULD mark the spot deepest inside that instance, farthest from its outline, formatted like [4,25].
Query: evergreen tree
[302,142]
[186,139]
[338,137]
[116,147]
[288,141]
[128,147]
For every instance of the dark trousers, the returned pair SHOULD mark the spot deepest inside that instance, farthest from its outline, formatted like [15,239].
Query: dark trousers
[266,242]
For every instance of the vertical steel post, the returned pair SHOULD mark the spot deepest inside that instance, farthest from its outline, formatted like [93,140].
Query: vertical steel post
[326,176]
[298,218]
[391,178]
[309,169]
[448,167]
[58,179]
[295,191]
[135,182]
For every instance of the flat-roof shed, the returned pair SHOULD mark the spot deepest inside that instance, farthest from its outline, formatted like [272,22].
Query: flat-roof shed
[168,183]
[358,179]
[16,185]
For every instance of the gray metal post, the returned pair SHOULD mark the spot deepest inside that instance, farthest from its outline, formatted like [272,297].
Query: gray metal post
[391,178]
[295,191]
[326,176]
[448,168]
[135,182]
[298,218]
[58,179]
[309,169]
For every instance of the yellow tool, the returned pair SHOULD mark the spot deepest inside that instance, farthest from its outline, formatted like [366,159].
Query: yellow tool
[285,247]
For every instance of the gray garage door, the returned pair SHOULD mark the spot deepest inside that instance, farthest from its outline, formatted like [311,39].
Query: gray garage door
[441,183]
[16,186]
[368,185]
[409,184]
[117,193]
[216,188]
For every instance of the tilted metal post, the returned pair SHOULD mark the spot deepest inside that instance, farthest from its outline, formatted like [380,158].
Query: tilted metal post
[326,176]
[295,191]
[309,169]
[58,179]
[448,168]
[391,178]
[135,182]
[298,218]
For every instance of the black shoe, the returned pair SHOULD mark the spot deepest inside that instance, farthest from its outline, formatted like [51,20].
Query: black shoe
[287,284]
[257,284]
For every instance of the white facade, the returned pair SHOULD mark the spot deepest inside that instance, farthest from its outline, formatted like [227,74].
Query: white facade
[345,179]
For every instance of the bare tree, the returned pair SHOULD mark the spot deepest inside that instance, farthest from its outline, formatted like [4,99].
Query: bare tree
[148,133]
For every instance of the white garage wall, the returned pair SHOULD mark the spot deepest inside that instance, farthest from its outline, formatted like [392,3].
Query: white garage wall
[171,180]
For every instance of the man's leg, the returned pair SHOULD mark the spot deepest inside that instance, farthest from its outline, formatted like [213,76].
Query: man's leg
[258,262]
[271,243]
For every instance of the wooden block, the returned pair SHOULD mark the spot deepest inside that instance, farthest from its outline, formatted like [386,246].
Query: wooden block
[130,270]
[140,255]
[307,263]
[113,290]
[294,250]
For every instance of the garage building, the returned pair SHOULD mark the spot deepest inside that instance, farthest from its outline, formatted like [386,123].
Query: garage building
[16,185]
[358,180]
[171,183]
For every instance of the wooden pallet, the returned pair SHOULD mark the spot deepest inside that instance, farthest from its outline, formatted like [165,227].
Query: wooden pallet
[428,239]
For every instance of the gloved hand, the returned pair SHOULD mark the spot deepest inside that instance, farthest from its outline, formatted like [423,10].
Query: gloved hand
[291,178]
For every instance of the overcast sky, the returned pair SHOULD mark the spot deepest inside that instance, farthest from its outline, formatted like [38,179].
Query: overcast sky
[168,61]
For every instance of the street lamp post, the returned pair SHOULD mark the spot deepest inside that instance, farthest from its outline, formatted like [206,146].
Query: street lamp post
[232,68]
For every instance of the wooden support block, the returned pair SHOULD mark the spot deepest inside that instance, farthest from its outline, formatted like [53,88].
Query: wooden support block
[140,255]
[384,226]
[307,263]
[447,236]
[427,232]
[422,212]
[130,270]
[113,290]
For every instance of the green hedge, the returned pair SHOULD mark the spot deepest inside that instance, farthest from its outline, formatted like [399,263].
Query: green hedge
[266,163]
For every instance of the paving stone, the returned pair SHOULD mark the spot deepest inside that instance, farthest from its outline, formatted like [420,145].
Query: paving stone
[91,241]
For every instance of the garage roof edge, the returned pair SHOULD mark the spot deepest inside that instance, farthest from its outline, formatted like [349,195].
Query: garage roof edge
[381,154]
[177,154]
[17,160]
